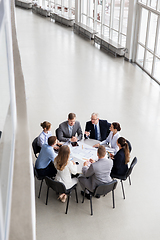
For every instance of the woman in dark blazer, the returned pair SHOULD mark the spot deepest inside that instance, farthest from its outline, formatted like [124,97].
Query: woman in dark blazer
[121,159]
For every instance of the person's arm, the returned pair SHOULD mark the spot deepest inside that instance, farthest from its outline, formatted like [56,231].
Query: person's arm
[72,167]
[52,154]
[117,160]
[41,140]
[61,135]
[107,140]
[114,142]
[108,128]
[87,131]
[79,132]
[87,172]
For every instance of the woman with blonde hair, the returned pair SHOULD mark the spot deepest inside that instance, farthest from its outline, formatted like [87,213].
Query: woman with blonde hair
[121,159]
[65,168]
[45,134]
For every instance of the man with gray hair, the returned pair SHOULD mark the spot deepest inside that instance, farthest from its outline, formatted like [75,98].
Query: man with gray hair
[96,128]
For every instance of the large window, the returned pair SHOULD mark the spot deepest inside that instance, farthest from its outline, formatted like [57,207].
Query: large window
[155,4]
[107,17]
[148,44]
[61,7]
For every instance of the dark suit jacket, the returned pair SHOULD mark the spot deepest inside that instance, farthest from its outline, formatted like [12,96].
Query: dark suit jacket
[119,166]
[104,129]
[63,133]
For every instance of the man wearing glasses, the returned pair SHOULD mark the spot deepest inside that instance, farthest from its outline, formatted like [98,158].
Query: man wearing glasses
[96,128]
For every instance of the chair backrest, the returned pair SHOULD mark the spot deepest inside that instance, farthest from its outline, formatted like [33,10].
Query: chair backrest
[133,163]
[105,188]
[36,148]
[129,145]
[55,185]
[57,133]
[36,174]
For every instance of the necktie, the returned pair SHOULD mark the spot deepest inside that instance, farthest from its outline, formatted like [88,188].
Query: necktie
[96,135]
[70,131]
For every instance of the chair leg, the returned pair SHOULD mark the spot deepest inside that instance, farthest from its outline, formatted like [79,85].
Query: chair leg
[68,197]
[83,195]
[91,204]
[40,189]
[47,195]
[113,198]
[129,180]
[76,194]
[123,189]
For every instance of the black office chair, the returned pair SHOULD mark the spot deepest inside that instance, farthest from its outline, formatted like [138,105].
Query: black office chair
[127,175]
[59,187]
[56,131]
[102,189]
[36,148]
[39,178]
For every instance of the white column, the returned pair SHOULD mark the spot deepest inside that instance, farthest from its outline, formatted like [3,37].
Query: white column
[131,31]
[77,11]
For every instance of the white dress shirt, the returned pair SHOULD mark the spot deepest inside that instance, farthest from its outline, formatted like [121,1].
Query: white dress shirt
[64,176]
[112,140]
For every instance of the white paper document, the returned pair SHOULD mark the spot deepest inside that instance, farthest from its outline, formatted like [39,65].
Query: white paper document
[84,152]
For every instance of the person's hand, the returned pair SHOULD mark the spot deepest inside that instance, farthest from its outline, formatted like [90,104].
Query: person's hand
[73,162]
[87,133]
[56,147]
[96,145]
[85,164]
[74,139]
[59,144]
[91,160]
[111,155]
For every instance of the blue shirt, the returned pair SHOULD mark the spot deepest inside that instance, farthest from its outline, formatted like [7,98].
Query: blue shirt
[45,156]
[43,138]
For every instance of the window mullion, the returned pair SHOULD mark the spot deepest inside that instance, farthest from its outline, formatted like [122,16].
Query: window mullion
[147,34]
[111,19]
[103,16]
[120,21]
[156,44]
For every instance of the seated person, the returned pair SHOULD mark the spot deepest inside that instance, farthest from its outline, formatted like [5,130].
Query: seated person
[97,173]
[44,163]
[45,134]
[68,129]
[65,168]
[112,137]
[121,158]
[102,126]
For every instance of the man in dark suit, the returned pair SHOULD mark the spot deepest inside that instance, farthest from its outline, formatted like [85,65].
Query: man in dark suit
[97,128]
[70,130]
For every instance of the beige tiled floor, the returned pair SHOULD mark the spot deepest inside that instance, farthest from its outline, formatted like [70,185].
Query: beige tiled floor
[66,73]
